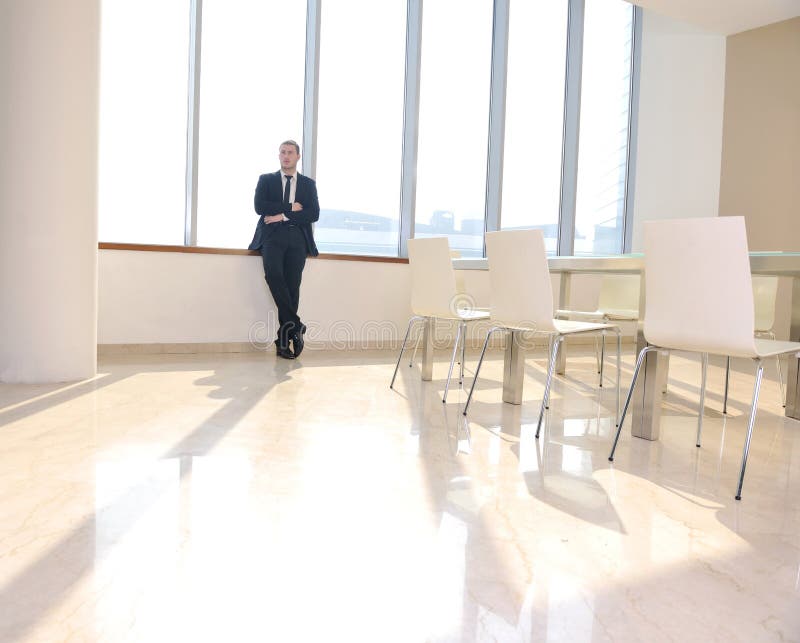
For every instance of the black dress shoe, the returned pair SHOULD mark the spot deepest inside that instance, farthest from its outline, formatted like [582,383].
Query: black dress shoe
[285,353]
[298,343]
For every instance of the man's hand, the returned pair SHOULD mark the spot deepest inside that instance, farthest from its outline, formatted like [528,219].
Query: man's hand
[297,206]
[273,218]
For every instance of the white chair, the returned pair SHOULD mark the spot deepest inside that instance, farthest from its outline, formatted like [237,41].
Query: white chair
[461,288]
[700,299]
[436,295]
[618,301]
[765,296]
[522,300]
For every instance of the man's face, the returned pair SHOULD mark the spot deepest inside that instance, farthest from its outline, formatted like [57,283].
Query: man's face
[288,157]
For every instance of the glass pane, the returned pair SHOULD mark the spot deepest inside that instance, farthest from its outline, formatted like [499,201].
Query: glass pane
[605,101]
[144,76]
[251,99]
[537,52]
[360,124]
[454,122]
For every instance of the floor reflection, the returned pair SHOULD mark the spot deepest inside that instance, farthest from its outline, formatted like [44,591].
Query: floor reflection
[237,498]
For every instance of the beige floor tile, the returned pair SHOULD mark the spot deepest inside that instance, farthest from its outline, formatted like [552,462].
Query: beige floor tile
[234,497]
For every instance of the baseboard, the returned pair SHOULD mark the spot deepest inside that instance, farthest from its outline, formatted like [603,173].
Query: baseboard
[186,348]
[182,348]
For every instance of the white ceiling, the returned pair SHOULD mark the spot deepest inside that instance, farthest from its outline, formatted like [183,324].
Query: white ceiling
[725,16]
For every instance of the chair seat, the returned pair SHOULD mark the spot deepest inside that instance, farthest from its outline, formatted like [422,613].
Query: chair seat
[772,347]
[622,314]
[617,314]
[764,348]
[472,314]
[569,327]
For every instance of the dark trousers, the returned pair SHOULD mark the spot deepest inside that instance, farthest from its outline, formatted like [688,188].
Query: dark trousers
[284,257]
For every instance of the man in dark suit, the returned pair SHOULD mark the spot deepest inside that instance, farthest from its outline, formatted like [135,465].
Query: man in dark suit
[286,203]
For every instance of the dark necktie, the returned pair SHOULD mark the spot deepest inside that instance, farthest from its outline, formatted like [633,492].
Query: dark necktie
[287,190]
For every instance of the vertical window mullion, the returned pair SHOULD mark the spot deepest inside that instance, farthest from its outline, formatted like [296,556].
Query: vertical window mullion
[408,181]
[633,130]
[497,117]
[193,123]
[572,113]
[311,89]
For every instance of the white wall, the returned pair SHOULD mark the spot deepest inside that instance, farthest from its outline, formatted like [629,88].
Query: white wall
[761,143]
[761,152]
[681,104]
[181,298]
[163,297]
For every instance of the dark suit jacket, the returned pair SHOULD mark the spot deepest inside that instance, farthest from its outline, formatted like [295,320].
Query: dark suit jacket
[269,200]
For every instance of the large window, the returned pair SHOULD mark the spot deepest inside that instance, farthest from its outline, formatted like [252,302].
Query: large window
[605,100]
[143,94]
[251,99]
[534,117]
[434,118]
[360,125]
[454,122]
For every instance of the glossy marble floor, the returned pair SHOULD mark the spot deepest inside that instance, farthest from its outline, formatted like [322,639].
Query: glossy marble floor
[239,498]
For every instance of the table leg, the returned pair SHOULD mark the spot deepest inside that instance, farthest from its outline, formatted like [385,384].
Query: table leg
[427,349]
[564,287]
[646,402]
[645,407]
[513,369]
[793,371]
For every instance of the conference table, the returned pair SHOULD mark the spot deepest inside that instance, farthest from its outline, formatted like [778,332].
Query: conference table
[646,404]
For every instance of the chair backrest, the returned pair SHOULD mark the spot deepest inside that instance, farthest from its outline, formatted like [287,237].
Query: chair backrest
[619,293]
[522,294]
[433,281]
[765,295]
[699,294]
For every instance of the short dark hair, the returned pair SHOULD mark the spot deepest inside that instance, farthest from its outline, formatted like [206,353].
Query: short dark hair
[291,142]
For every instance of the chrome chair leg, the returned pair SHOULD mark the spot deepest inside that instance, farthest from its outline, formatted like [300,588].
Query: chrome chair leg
[402,348]
[753,408]
[551,368]
[463,351]
[639,361]
[602,356]
[478,367]
[704,361]
[727,379]
[452,361]
[597,353]
[619,368]
[550,340]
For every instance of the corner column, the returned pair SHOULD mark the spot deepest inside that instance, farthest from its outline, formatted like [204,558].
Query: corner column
[49,80]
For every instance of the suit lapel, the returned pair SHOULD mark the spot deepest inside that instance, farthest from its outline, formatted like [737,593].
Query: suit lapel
[300,191]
